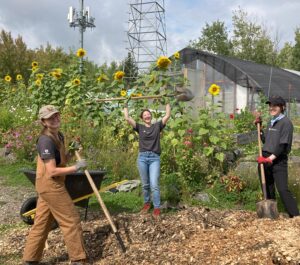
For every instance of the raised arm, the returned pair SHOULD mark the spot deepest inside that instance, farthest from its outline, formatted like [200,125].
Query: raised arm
[128,118]
[168,114]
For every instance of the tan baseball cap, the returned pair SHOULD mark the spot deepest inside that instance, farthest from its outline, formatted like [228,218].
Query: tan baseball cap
[47,111]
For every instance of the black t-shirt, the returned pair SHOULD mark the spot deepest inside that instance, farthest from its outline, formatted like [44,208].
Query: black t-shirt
[47,148]
[280,134]
[149,137]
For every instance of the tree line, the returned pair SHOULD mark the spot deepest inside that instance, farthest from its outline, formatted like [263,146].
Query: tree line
[249,40]
[16,59]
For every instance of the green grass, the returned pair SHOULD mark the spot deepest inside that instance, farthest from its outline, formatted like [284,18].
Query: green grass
[119,202]
[11,175]
[7,227]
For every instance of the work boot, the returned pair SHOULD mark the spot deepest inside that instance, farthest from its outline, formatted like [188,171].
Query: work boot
[146,208]
[156,213]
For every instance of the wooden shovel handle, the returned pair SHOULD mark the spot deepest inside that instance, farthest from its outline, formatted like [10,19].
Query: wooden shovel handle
[103,206]
[262,170]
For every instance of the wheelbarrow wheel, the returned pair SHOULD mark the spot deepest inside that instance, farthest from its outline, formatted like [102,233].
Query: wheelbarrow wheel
[29,205]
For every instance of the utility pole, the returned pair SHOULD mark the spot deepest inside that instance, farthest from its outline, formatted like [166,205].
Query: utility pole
[83,20]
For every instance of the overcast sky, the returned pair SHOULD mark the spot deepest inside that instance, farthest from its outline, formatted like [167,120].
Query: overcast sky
[42,21]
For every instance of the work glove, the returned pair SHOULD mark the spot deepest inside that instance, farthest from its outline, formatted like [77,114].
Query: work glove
[257,120]
[264,160]
[80,164]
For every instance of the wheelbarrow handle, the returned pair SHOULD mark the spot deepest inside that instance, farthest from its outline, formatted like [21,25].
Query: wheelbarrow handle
[103,206]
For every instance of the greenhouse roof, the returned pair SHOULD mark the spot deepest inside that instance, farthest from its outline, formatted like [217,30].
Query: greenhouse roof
[270,80]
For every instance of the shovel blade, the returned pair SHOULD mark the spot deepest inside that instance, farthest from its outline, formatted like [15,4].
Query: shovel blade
[267,209]
[184,94]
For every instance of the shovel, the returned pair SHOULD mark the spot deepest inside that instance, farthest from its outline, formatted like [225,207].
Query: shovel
[183,95]
[106,212]
[265,208]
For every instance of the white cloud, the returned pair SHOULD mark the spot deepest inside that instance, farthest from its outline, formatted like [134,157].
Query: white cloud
[39,22]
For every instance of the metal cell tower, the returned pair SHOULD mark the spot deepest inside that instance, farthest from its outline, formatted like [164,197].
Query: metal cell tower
[147,32]
[81,19]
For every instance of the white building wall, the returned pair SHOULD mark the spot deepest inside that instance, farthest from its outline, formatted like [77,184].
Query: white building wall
[241,97]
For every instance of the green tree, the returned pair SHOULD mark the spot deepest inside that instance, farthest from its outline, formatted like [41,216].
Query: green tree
[214,38]
[130,69]
[295,63]
[285,56]
[14,56]
[251,41]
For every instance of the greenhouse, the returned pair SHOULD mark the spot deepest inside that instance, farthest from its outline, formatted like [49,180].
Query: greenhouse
[240,81]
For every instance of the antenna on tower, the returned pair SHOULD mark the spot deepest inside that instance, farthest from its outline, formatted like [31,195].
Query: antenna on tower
[83,20]
[146,32]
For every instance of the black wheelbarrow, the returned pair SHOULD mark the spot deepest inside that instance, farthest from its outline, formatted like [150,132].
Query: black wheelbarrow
[77,185]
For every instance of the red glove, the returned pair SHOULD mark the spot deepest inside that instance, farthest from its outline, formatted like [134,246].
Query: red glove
[264,160]
[258,120]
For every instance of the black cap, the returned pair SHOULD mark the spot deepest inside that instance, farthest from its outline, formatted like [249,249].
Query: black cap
[276,100]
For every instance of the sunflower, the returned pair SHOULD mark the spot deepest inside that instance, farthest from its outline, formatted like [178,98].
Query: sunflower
[214,90]
[34,68]
[7,78]
[19,77]
[163,62]
[76,82]
[176,55]
[38,82]
[34,64]
[119,75]
[40,76]
[56,75]
[80,52]
[123,93]
[58,70]
[102,78]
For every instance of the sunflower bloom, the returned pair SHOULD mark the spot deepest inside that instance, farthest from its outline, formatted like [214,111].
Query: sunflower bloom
[40,76]
[7,78]
[38,82]
[34,68]
[163,62]
[80,52]
[102,78]
[176,55]
[34,64]
[119,75]
[56,75]
[58,70]
[123,93]
[76,82]
[19,77]
[214,90]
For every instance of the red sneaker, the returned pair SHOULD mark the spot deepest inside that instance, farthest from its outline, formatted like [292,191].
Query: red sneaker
[156,213]
[146,208]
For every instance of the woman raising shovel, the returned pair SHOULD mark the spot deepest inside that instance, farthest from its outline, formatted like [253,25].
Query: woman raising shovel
[149,155]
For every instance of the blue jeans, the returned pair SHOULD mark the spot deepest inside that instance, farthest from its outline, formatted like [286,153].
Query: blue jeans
[149,168]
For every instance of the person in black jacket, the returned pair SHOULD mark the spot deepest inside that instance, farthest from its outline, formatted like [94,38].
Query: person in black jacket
[277,145]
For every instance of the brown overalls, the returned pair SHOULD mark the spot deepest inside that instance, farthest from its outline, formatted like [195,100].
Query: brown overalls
[54,202]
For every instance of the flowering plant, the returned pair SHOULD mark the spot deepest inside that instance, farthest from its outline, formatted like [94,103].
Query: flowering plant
[214,90]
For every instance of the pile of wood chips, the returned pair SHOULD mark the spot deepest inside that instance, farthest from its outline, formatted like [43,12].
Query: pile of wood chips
[189,236]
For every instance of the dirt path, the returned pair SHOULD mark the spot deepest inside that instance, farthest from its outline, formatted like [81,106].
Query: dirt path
[11,200]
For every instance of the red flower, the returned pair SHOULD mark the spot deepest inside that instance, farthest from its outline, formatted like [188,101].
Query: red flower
[231,116]
[188,143]
[190,131]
